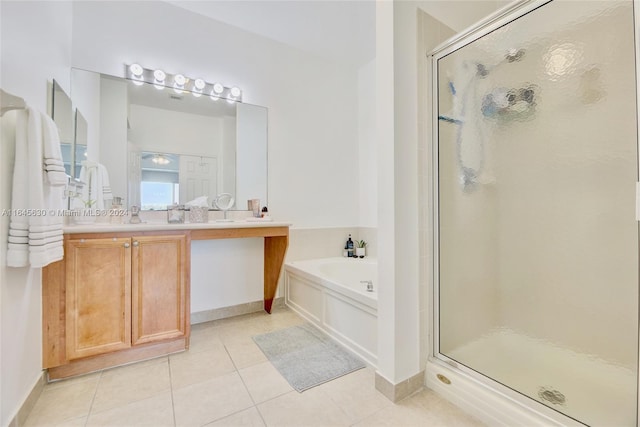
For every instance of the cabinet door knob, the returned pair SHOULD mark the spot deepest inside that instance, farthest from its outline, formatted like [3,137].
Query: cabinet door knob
[126,245]
[135,243]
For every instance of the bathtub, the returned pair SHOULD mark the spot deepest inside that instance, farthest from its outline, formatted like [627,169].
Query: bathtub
[327,292]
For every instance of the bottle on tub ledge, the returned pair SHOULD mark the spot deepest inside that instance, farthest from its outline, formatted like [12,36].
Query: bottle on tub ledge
[350,247]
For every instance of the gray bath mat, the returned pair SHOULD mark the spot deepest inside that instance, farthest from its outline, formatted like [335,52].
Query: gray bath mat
[306,357]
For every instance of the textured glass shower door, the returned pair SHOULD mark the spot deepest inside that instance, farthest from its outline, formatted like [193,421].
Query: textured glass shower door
[537,242]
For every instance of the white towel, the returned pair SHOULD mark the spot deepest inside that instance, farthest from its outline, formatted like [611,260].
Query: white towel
[18,254]
[52,152]
[44,234]
[36,244]
[106,187]
[18,233]
[96,188]
[32,191]
[19,239]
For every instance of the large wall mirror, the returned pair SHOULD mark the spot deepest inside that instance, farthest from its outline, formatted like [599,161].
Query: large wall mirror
[161,147]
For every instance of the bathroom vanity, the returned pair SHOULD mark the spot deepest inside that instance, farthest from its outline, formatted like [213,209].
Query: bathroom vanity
[121,293]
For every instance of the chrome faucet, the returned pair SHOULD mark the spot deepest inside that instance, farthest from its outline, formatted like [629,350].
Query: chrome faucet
[369,284]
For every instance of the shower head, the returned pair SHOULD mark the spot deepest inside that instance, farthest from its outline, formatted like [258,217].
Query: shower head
[514,55]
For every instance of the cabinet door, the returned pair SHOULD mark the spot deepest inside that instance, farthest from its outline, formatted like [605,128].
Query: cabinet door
[98,296]
[159,281]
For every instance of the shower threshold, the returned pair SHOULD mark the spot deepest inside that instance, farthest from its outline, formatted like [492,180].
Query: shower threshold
[582,386]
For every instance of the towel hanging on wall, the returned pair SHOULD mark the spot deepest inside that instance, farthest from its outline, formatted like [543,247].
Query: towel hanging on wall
[37,198]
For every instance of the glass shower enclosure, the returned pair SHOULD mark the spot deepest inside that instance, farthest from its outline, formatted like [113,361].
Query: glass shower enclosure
[536,239]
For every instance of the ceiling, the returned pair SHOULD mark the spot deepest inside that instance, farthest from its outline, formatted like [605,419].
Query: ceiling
[337,30]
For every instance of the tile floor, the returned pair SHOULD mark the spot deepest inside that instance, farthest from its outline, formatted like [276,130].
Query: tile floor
[225,380]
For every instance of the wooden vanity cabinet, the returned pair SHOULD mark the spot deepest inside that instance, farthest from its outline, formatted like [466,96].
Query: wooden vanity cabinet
[98,296]
[115,298]
[158,291]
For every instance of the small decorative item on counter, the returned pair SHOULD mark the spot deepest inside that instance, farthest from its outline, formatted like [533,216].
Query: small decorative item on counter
[360,249]
[224,202]
[198,214]
[115,215]
[198,209]
[265,212]
[86,215]
[135,219]
[175,214]
[254,206]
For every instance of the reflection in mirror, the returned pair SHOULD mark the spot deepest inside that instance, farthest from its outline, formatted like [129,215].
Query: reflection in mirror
[159,180]
[201,146]
[62,114]
[80,143]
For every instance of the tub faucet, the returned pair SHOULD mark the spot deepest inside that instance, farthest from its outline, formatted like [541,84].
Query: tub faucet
[369,284]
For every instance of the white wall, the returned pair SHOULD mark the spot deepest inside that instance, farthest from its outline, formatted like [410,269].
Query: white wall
[312,102]
[251,153]
[35,48]
[229,156]
[157,129]
[367,152]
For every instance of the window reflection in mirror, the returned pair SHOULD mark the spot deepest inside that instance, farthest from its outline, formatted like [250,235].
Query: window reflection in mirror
[159,182]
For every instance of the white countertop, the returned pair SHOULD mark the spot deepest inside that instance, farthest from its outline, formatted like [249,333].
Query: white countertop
[103,227]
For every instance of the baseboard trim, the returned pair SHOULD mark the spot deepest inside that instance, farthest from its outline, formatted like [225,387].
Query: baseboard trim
[234,310]
[118,358]
[397,392]
[28,404]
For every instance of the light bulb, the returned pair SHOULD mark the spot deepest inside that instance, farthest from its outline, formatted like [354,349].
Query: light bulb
[199,84]
[159,75]
[213,96]
[218,88]
[136,70]
[179,79]
[235,92]
[159,159]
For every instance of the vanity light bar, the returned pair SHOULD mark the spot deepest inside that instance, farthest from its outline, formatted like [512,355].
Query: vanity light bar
[179,82]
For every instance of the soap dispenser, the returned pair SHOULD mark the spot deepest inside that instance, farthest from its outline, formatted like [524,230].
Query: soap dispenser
[350,251]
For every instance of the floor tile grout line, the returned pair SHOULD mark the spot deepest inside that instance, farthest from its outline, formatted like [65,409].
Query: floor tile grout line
[173,404]
[95,392]
[245,386]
